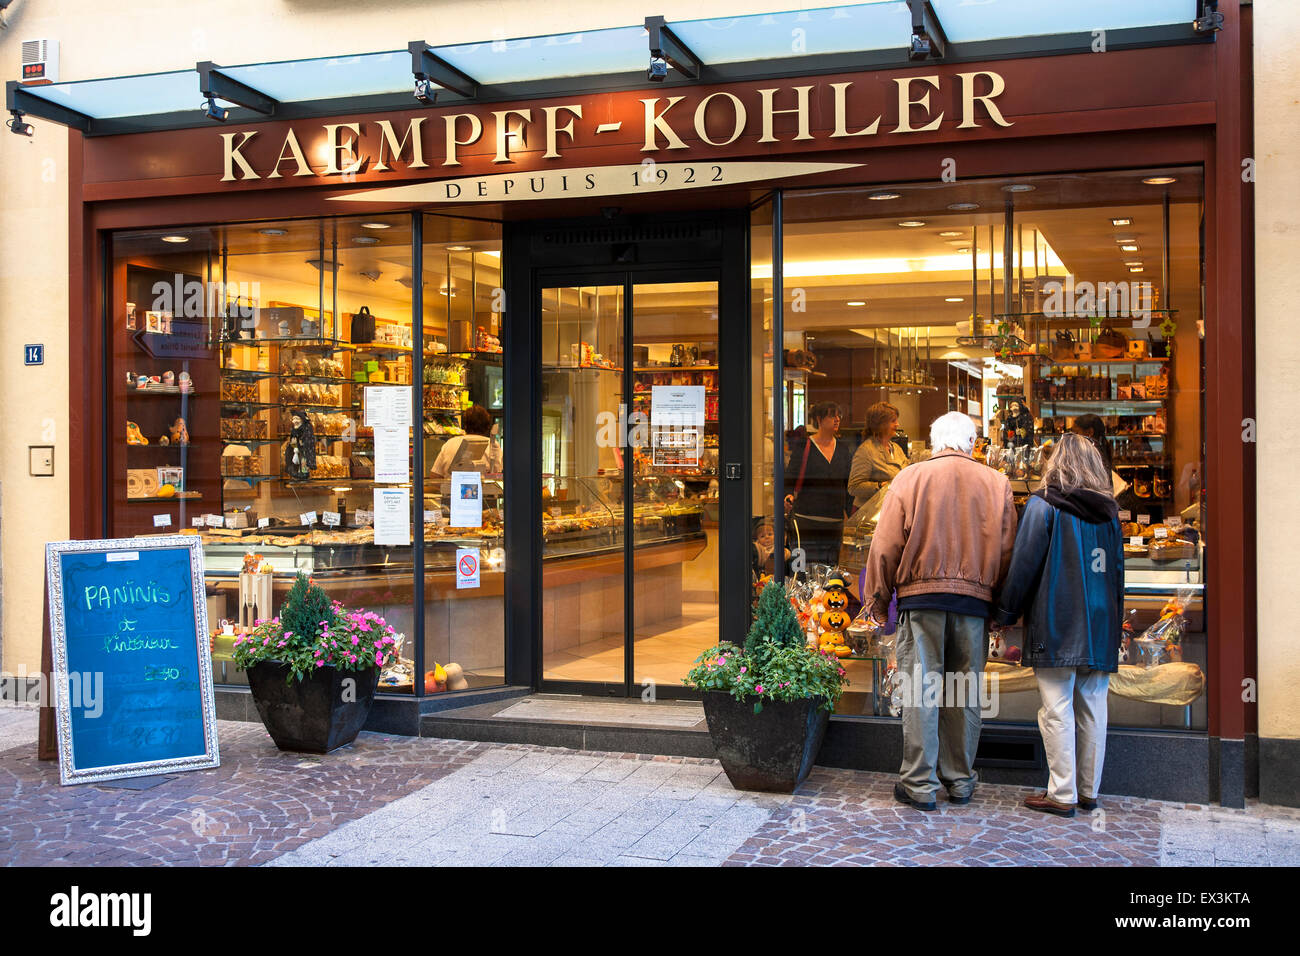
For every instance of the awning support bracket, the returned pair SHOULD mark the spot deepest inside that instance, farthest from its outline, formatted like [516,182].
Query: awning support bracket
[928,39]
[213,84]
[666,45]
[17,99]
[430,68]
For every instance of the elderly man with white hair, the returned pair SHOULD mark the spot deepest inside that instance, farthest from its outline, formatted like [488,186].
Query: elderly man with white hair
[943,543]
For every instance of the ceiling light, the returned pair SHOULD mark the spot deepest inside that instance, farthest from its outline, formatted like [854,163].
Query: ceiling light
[954,298]
[376,225]
[1132,262]
[884,195]
[1160,180]
[273,232]
[458,248]
[658,69]
[855,302]
[366,240]
[1121,222]
[951,234]
[1018,188]
[964,249]
[963,206]
[912,223]
[1135,269]
[1129,247]
[18,125]
[1123,239]
[175,238]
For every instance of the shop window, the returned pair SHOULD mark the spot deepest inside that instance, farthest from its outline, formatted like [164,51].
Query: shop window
[1028,304]
[263,395]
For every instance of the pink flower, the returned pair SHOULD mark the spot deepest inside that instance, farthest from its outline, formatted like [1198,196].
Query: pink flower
[758,688]
[320,663]
[379,659]
[743,669]
[355,640]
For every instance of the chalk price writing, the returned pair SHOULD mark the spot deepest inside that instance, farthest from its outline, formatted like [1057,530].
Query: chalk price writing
[163,673]
[686,176]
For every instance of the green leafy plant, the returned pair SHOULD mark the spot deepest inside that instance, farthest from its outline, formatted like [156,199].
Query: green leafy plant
[776,663]
[314,632]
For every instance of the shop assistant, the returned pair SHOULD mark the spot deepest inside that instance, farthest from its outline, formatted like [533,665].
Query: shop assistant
[820,500]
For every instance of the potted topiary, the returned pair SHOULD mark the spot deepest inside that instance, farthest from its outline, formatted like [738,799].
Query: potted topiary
[313,670]
[767,704]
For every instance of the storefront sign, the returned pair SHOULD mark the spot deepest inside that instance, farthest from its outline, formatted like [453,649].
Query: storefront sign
[647,177]
[467,568]
[132,671]
[848,111]
[466,499]
[676,424]
[393,516]
[392,453]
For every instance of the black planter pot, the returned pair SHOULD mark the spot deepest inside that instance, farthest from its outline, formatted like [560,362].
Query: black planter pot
[772,750]
[312,715]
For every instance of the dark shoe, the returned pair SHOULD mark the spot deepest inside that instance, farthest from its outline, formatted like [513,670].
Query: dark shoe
[1087,806]
[1045,804]
[959,801]
[901,795]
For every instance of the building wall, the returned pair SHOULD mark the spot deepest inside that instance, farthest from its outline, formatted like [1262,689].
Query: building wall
[1276,196]
[99,40]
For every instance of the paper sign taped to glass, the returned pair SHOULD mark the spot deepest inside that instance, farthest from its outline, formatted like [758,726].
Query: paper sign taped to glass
[677,425]
[678,448]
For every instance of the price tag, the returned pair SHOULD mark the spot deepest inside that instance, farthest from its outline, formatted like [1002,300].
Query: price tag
[264,522]
[330,519]
[556,512]
[1162,532]
[432,515]
[1137,541]
[1144,519]
[1174,522]
[364,517]
[162,521]
[307,517]
[214,521]
[1125,515]
[196,522]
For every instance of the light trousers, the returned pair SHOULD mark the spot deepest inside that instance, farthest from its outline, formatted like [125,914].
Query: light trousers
[940,737]
[1073,722]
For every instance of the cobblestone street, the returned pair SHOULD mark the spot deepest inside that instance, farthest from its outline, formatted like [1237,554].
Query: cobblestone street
[409,801]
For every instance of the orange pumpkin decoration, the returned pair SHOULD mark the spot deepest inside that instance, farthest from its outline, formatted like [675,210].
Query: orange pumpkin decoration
[836,601]
[834,621]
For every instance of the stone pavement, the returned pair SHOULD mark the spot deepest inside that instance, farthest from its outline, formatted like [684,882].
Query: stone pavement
[409,801]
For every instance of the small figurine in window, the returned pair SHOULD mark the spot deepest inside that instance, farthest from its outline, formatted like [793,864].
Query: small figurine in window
[300,449]
[178,433]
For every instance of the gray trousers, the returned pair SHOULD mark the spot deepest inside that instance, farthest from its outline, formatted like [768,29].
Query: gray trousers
[941,729]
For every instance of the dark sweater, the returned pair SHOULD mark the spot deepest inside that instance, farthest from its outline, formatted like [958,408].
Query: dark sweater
[824,492]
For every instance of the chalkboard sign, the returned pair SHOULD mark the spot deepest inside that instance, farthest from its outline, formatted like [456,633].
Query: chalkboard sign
[132,673]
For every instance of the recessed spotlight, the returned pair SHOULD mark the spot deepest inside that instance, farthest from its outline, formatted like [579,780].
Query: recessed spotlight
[376,225]
[458,248]
[1123,239]
[175,238]
[855,302]
[963,206]
[951,234]
[912,223]
[964,249]
[1135,269]
[366,240]
[884,195]
[1129,247]
[1121,222]
[954,298]
[1018,188]
[273,232]
[1160,180]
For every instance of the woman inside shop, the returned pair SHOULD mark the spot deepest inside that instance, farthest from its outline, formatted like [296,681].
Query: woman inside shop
[879,458]
[1093,428]
[1067,577]
[476,450]
[819,469]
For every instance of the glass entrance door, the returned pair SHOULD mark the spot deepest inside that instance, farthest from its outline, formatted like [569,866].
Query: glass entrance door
[630,479]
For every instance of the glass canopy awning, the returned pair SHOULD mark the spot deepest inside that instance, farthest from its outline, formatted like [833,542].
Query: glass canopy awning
[878,34]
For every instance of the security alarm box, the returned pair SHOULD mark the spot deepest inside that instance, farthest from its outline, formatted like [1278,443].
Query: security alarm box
[40,61]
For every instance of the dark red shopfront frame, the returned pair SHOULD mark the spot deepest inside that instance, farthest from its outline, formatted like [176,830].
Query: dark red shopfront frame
[1172,106]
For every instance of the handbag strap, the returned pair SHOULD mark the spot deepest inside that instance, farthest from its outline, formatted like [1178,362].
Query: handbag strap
[803,467]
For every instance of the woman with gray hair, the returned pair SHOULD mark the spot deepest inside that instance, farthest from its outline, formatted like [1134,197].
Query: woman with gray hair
[1067,576]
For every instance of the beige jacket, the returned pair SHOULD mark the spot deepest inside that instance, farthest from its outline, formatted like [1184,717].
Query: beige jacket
[872,467]
[947,526]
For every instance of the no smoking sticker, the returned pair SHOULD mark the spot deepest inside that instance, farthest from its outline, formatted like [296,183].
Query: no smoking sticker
[467,568]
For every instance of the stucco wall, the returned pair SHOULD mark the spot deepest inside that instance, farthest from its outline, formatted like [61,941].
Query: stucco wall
[1277,356]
